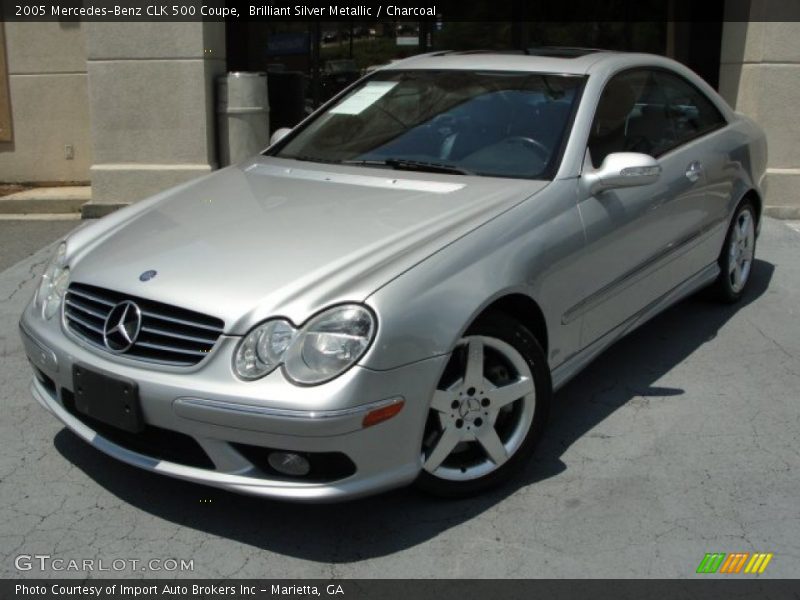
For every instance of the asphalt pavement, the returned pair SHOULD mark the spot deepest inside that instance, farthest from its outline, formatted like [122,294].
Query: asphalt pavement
[680,440]
[21,238]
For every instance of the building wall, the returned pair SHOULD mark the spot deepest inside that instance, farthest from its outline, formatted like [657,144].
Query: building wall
[151,92]
[49,103]
[760,77]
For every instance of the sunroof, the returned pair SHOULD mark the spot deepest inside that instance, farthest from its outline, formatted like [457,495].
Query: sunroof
[480,51]
[562,52]
[553,51]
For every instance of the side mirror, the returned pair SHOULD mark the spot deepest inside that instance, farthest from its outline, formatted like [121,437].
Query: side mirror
[622,169]
[279,135]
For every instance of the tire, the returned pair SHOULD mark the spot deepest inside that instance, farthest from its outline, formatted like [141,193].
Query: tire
[737,255]
[472,411]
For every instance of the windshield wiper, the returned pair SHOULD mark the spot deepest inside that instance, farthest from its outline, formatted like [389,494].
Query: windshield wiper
[404,164]
[401,164]
[307,158]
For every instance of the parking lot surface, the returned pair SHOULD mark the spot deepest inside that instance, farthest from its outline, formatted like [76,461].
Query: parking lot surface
[682,439]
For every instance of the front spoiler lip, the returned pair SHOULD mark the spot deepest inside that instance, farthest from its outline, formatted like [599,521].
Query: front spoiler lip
[280,490]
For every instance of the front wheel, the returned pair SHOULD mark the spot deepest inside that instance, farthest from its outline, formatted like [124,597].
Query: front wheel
[489,410]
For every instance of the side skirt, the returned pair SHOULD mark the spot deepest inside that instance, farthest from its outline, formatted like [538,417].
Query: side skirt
[575,364]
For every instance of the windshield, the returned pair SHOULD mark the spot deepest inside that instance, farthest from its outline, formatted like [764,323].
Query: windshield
[506,124]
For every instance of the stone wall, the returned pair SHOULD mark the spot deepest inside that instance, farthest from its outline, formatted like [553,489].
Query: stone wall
[151,94]
[49,103]
[760,77]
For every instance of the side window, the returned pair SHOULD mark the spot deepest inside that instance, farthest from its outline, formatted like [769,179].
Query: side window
[649,111]
[619,116]
[691,112]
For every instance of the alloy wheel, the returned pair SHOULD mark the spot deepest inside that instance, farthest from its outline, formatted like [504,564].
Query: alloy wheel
[482,412]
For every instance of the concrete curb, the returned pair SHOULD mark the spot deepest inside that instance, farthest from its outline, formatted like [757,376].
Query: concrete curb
[64,199]
[74,216]
[790,213]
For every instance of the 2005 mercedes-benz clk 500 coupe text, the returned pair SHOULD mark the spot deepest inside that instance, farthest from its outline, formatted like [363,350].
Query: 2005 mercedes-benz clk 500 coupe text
[393,290]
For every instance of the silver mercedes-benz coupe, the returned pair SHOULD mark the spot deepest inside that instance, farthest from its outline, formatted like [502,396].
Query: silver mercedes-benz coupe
[393,290]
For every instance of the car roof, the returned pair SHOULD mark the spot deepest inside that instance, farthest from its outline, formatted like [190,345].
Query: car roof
[577,61]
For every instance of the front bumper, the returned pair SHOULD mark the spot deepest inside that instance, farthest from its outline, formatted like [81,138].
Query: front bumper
[220,414]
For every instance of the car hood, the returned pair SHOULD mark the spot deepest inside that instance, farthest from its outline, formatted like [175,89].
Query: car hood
[274,237]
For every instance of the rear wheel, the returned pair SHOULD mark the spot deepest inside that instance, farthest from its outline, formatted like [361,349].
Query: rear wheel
[489,410]
[738,253]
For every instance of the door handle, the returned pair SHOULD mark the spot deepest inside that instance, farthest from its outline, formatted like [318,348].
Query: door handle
[694,171]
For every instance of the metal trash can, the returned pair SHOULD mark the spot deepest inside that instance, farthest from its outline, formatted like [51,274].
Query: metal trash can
[243,115]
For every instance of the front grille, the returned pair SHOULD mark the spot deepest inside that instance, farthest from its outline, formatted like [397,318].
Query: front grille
[169,335]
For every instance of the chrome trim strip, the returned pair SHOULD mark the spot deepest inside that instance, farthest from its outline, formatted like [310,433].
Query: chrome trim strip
[152,315]
[286,413]
[601,295]
[82,323]
[129,359]
[177,336]
[84,309]
[173,349]
[91,297]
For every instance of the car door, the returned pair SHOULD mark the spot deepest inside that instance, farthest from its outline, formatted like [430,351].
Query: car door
[635,236]
[699,127]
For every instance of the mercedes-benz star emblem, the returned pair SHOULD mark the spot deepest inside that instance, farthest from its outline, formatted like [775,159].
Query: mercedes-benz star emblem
[122,327]
[148,275]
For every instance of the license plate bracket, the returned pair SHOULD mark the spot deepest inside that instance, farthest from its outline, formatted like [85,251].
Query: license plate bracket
[111,400]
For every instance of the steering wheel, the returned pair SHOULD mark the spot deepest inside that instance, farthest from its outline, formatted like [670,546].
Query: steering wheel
[531,144]
[444,119]
[442,125]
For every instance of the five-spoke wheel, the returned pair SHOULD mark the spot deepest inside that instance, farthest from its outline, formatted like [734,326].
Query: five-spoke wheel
[488,410]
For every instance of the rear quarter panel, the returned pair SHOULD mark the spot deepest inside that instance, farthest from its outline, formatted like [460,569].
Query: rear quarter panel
[745,146]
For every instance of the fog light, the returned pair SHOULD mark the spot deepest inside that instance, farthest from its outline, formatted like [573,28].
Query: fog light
[289,463]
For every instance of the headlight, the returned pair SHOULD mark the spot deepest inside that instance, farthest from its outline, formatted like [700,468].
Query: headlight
[324,348]
[262,349]
[54,283]
[329,344]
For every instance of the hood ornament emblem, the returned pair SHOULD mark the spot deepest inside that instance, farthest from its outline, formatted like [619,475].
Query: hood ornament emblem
[122,327]
[148,275]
